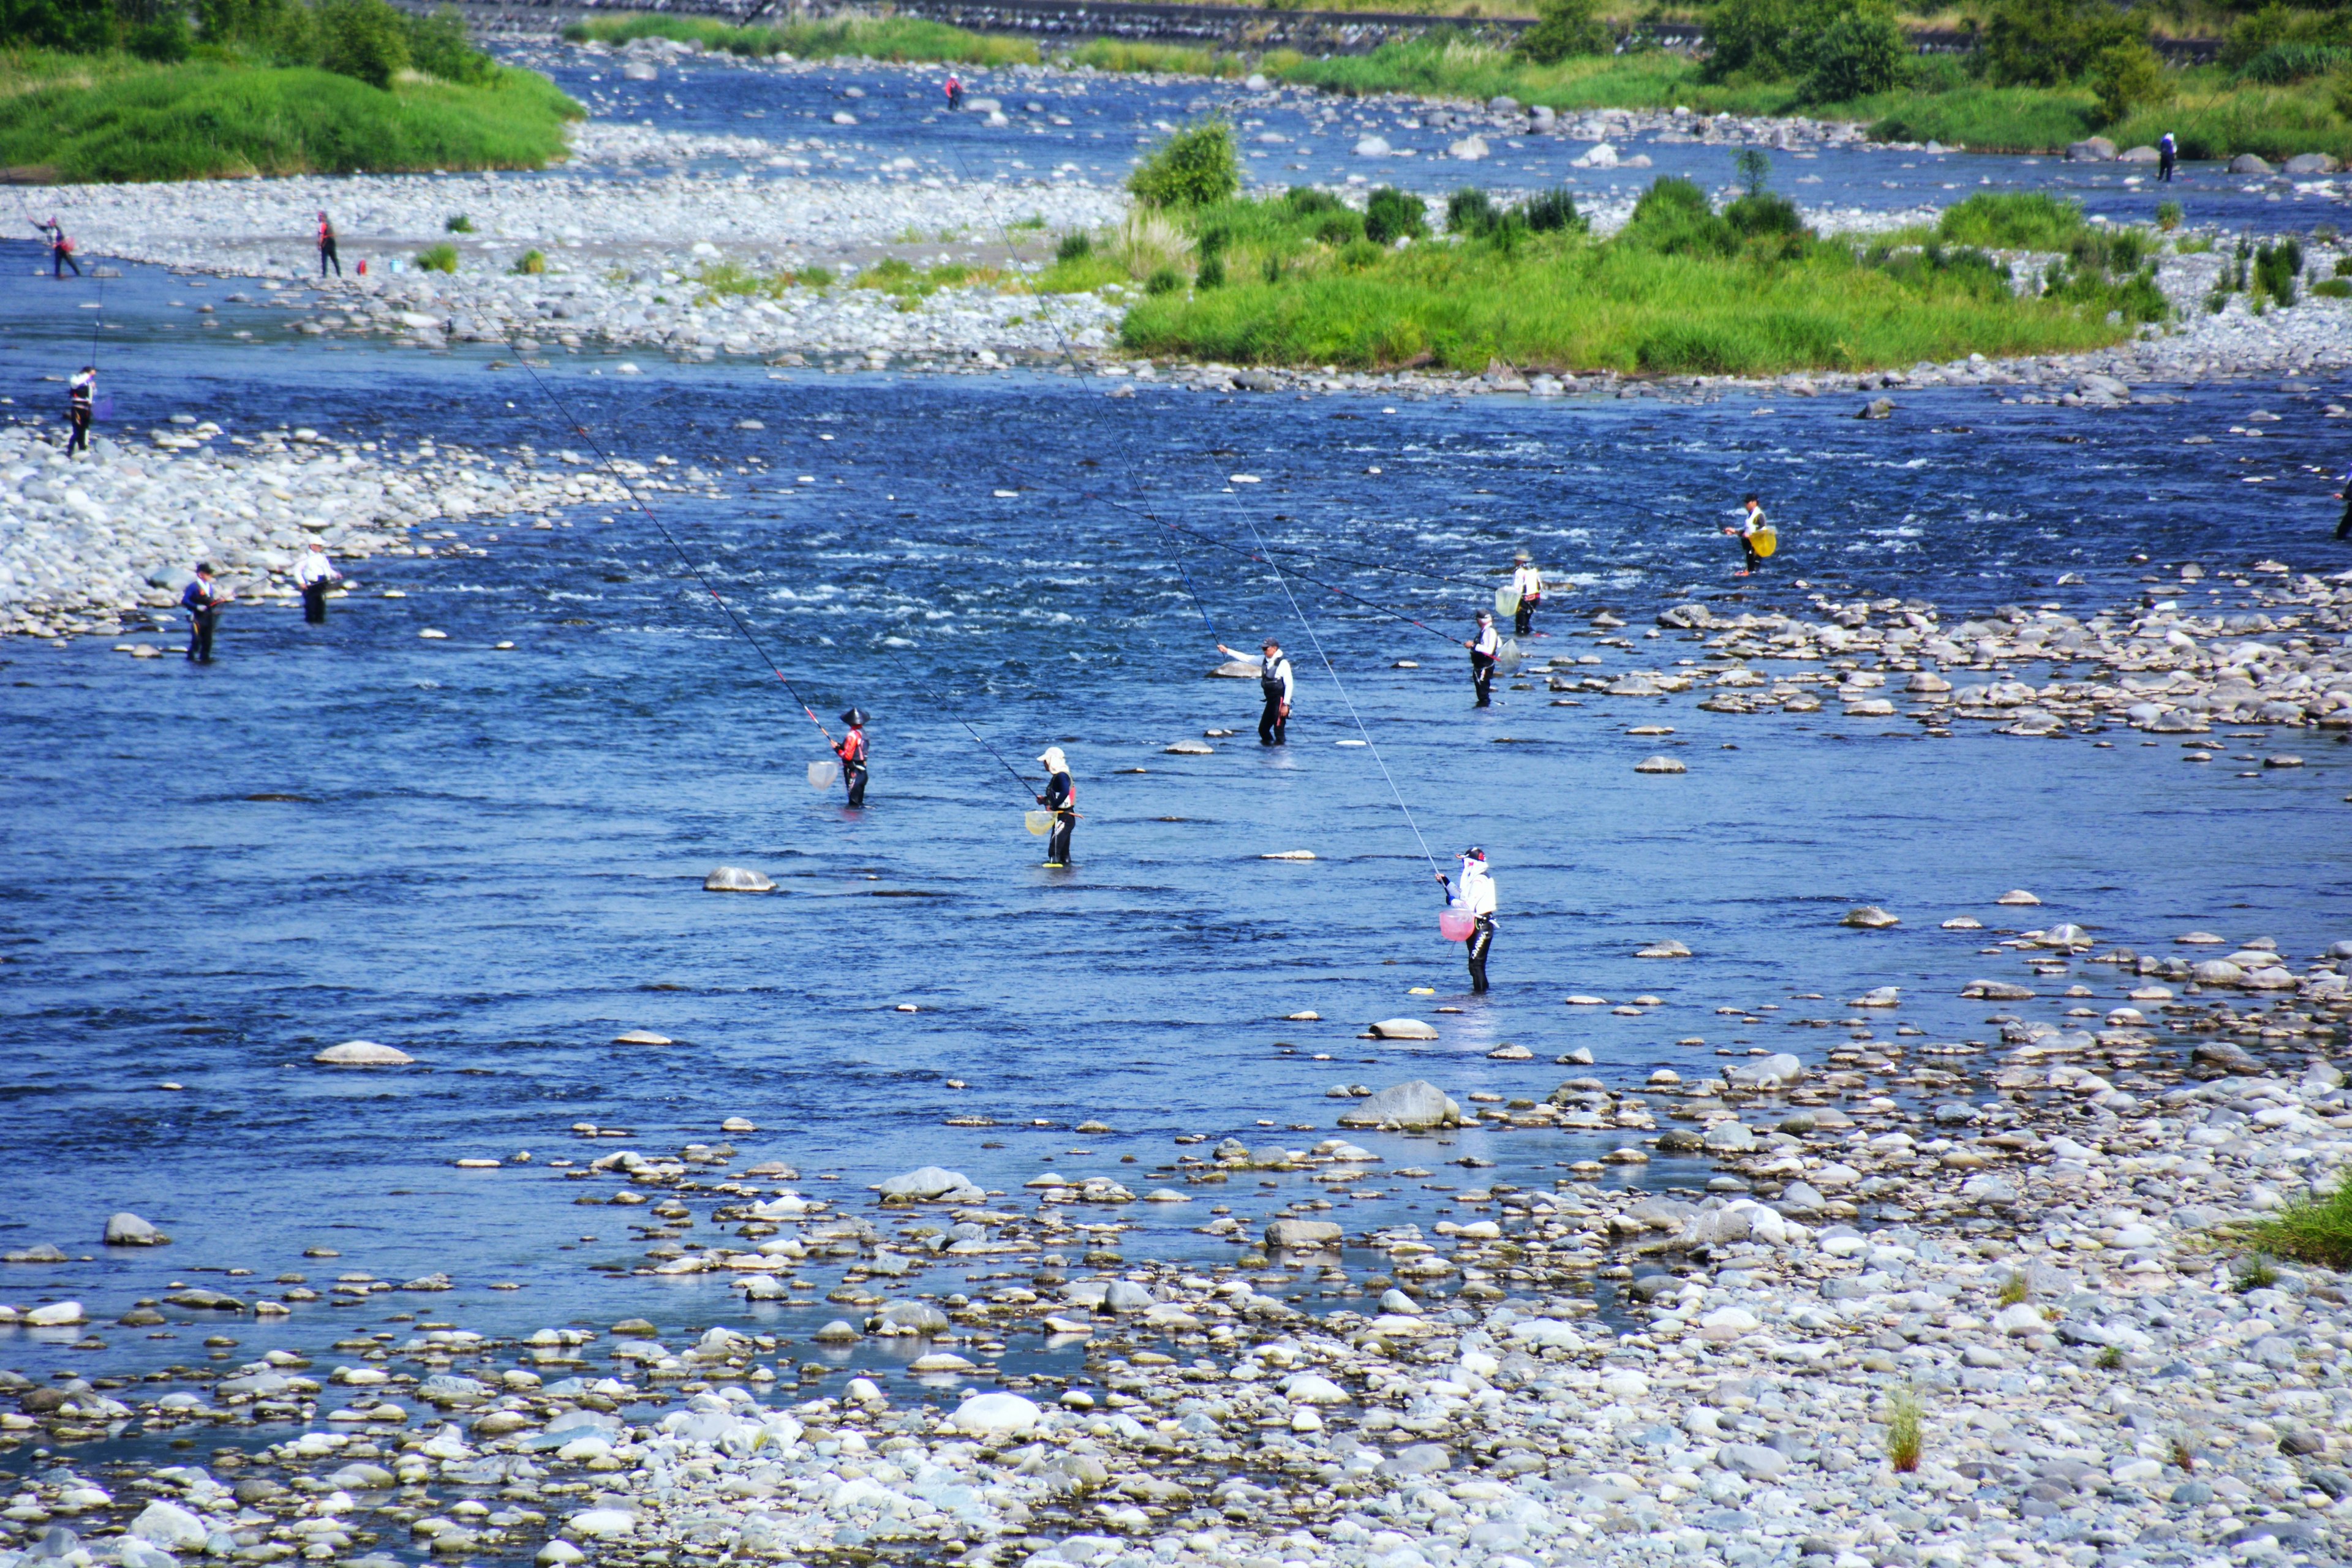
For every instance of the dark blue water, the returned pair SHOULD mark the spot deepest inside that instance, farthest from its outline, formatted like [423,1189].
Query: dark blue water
[493,858]
[1092,129]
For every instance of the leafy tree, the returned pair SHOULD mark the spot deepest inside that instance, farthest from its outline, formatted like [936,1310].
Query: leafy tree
[1861,53]
[364,39]
[2128,76]
[1766,39]
[1564,28]
[1196,167]
[81,26]
[438,46]
[163,37]
[2049,43]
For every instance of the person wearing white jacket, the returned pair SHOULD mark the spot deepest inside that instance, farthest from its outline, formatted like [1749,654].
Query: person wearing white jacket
[313,574]
[1475,897]
[1276,682]
[1526,583]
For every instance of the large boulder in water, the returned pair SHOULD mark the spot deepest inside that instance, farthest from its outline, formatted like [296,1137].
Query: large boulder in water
[1418,1103]
[362,1054]
[1403,1029]
[127,1229]
[1237,669]
[737,879]
[928,1183]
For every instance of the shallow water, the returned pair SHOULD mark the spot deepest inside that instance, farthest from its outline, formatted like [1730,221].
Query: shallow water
[901,114]
[495,857]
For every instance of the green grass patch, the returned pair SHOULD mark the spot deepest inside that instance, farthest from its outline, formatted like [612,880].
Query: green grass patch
[1683,290]
[83,117]
[2310,1230]
[1148,58]
[899,38]
[442,257]
[907,282]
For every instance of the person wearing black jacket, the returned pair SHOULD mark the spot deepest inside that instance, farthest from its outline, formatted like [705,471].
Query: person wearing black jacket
[202,602]
[1061,798]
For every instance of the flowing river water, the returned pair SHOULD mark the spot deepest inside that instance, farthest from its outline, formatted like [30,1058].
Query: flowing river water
[492,858]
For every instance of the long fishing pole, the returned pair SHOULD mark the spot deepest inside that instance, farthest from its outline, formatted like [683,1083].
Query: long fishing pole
[631,491]
[952,712]
[1266,560]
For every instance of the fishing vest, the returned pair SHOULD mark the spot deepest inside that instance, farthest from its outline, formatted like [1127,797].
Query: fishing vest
[1270,683]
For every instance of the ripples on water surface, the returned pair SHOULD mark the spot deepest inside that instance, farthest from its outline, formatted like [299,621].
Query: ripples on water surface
[495,857]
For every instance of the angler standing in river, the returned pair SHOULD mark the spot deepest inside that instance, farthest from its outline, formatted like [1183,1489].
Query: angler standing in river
[1061,798]
[851,753]
[314,575]
[1274,680]
[1486,648]
[1475,898]
[1527,584]
[81,406]
[202,602]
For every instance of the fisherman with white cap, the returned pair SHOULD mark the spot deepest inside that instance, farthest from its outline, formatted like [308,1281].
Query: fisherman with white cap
[1527,587]
[1486,651]
[1061,798]
[1475,897]
[314,573]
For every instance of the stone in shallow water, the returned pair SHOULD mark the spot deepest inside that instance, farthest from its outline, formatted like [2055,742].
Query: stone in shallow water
[1870,917]
[362,1054]
[737,879]
[127,1229]
[991,1415]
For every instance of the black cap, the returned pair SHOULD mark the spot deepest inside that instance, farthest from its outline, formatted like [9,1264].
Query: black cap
[1474,853]
[206,567]
[853,717]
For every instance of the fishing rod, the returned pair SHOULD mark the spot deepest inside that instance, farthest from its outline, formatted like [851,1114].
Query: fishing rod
[638,500]
[1264,560]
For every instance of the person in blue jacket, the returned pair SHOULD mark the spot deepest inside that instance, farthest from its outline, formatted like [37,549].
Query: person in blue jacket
[202,602]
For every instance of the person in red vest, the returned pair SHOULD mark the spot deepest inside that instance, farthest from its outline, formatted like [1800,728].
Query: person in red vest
[851,753]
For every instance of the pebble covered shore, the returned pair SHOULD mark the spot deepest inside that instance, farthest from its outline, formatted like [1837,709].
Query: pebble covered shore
[2025,1235]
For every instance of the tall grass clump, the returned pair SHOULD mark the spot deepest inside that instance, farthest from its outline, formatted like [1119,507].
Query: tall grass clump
[1140,57]
[2317,1230]
[905,39]
[1907,1425]
[442,257]
[2013,220]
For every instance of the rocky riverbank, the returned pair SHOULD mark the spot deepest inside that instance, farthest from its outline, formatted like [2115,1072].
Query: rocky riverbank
[1938,1302]
[101,545]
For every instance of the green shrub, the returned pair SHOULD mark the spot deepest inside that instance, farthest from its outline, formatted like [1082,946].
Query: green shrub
[1211,274]
[440,257]
[1391,214]
[1550,211]
[2333,287]
[79,26]
[459,222]
[1339,227]
[2277,269]
[1673,219]
[2168,215]
[2282,29]
[1563,29]
[2049,43]
[1766,39]
[1861,53]
[1469,211]
[530,264]
[1359,254]
[438,45]
[2129,77]
[1163,281]
[164,38]
[1074,248]
[2013,220]
[814,277]
[1195,167]
[1763,215]
[2282,64]
[366,40]
[1306,201]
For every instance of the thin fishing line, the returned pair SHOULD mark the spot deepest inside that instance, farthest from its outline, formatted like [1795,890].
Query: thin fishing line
[631,490]
[1265,561]
[1308,628]
[952,711]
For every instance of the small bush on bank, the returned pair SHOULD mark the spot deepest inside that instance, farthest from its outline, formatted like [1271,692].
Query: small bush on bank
[1862,53]
[442,257]
[1564,29]
[1195,167]
[530,264]
[2049,43]
[2129,77]
[1391,215]
[2013,220]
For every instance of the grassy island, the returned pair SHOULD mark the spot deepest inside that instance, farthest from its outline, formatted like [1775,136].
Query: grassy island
[242,88]
[1684,288]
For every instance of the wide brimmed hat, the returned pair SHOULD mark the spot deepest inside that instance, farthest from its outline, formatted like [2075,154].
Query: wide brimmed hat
[853,717]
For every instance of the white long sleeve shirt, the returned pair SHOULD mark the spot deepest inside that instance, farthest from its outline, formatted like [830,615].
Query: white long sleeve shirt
[1528,582]
[314,567]
[1488,644]
[1476,893]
